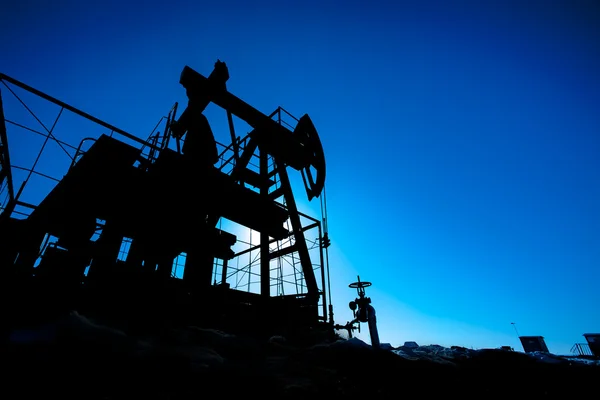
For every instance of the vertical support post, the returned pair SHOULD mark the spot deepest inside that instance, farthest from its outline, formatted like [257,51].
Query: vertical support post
[135,255]
[165,268]
[106,252]
[300,240]
[224,272]
[198,265]
[265,260]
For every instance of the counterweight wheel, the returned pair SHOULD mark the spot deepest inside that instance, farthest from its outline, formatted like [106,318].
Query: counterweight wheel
[308,137]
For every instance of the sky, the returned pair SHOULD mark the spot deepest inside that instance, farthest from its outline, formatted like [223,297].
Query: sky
[462,138]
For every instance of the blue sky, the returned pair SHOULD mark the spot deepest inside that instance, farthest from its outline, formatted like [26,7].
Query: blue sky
[462,138]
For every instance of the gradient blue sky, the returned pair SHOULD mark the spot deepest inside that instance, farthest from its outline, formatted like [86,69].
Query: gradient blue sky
[462,138]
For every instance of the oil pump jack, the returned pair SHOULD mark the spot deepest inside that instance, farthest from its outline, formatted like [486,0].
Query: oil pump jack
[107,237]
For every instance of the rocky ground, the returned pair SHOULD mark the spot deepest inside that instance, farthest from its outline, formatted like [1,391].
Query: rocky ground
[76,358]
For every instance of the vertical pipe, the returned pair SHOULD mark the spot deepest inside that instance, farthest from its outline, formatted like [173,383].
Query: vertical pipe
[372,320]
[323,282]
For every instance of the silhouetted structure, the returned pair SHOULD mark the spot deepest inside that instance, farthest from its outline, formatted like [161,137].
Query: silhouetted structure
[593,340]
[533,343]
[362,311]
[110,236]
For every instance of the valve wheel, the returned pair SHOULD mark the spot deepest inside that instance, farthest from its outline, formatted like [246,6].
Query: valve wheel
[359,285]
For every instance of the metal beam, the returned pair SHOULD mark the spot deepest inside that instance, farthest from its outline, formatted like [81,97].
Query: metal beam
[294,152]
[74,110]
[5,168]
[298,232]
[265,271]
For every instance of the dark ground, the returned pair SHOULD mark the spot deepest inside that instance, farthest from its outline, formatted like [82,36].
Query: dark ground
[76,358]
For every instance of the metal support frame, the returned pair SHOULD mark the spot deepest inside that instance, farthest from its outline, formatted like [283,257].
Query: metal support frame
[298,233]
[5,168]
[70,108]
[243,150]
[265,273]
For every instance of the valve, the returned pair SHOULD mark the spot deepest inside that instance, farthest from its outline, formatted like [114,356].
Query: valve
[363,311]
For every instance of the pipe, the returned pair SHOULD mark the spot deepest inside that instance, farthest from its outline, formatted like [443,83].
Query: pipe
[372,321]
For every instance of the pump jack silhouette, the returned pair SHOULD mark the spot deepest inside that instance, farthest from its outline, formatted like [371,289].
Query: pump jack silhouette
[120,193]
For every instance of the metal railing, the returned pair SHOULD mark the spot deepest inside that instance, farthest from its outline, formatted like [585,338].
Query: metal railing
[581,349]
